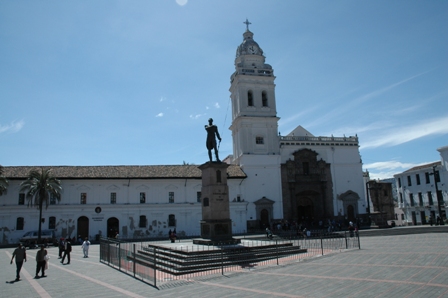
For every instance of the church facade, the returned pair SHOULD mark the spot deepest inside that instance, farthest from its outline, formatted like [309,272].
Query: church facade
[297,177]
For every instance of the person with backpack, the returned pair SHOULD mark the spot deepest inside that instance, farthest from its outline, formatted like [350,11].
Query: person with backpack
[67,251]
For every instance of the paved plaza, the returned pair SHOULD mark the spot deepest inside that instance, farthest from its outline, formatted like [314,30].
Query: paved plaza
[413,265]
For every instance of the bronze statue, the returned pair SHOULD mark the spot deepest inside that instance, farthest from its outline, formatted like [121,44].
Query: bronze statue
[212,130]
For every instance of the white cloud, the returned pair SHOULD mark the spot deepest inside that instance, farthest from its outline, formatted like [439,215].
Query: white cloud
[162,99]
[195,116]
[181,2]
[387,169]
[13,127]
[217,105]
[207,108]
[159,115]
[405,134]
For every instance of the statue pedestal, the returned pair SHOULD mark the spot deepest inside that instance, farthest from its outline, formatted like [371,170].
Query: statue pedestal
[216,225]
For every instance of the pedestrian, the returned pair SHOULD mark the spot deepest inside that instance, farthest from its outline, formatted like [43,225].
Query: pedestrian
[85,247]
[61,245]
[40,261]
[67,251]
[20,255]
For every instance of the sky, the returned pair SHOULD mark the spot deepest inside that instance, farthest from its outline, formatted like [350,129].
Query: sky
[134,82]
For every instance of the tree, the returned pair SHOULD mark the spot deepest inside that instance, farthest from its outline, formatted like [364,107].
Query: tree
[3,182]
[39,187]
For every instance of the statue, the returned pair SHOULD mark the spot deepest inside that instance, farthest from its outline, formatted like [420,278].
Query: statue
[212,130]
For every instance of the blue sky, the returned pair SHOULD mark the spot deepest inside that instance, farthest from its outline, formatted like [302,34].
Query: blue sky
[134,82]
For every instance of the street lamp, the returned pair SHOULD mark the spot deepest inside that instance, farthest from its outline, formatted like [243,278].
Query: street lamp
[437,195]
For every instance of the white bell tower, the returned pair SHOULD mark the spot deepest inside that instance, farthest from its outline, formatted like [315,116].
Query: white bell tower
[255,124]
[254,115]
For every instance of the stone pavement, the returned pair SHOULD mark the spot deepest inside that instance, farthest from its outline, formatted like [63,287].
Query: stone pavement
[413,265]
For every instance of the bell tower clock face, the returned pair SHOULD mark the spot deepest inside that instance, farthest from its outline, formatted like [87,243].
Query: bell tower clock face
[252,49]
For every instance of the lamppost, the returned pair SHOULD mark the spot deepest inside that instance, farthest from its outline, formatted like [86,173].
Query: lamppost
[434,173]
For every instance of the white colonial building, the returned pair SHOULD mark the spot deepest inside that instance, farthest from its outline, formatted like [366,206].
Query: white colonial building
[297,177]
[423,192]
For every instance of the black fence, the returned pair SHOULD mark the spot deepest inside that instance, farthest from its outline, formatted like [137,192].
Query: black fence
[159,262]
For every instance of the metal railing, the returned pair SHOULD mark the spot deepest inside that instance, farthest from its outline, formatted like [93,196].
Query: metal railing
[159,262]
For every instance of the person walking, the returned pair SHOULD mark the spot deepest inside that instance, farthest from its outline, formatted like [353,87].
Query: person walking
[85,247]
[20,255]
[61,245]
[67,251]
[40,261]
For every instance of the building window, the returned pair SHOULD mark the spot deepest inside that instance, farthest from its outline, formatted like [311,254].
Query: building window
[250,99]
[171,197]
[113,198]
[409,181]
[420,199]
[396,216]
[171,220]
[198,197]
[52,222]
[411,199]
[53,199]
[427,178]
[142,222]
[21,199]
[306,168]
[402,217]
[83,198]
[142,198]
[437,176]
[20,223]
[430,201]
[417,176]
[205,202]
[264,99]
[401,198]
[259,140]
[399,182]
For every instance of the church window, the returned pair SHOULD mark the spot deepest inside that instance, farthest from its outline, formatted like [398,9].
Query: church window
[171,220]
[259,140]
[171,197]
[142,198]
[52,222]
[264,99]
[21,199]
[250,99]
[83,198]
[113,197]
[198,196]
[142,221]
[306,168]
[20,223]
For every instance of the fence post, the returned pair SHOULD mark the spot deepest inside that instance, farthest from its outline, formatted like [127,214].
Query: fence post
[222,260]
[276,249]
[359,242]
[155,266]
[346,243]
[108,252]
[119,256]
[133,258]
[322,244]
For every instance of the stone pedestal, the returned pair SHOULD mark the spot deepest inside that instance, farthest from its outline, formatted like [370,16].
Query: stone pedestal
[216,226]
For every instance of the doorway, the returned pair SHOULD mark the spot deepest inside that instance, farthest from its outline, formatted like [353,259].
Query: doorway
[83,227]
[113,227]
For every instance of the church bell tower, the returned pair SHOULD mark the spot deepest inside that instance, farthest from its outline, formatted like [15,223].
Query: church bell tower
[255,131]
[254,115]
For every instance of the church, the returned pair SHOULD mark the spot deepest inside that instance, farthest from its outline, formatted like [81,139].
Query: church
[297,177]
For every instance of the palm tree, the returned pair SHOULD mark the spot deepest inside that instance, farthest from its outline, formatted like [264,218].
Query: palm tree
[3,182]
[39,187]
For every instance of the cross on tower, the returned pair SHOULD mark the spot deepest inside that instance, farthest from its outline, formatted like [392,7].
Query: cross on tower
[247,24]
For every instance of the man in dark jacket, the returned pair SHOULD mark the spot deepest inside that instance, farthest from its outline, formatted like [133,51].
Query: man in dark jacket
[67,251]
[20,255]
[41,262]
